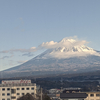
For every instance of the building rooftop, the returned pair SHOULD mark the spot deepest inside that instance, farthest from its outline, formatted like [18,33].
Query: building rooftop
[19,84]
[73,95]
[10,83]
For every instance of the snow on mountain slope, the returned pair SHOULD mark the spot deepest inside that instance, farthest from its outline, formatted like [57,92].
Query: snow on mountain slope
[67,48]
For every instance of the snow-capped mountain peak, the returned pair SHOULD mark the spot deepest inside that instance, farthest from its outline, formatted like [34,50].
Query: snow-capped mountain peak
[68,40]
[67,48]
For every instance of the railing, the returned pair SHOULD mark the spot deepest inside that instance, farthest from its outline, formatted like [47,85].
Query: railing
[21,84]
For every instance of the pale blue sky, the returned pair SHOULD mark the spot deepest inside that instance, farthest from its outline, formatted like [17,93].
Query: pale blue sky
[29,23]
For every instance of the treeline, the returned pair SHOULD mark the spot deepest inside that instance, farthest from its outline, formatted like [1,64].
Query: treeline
[49,84]
[30,97]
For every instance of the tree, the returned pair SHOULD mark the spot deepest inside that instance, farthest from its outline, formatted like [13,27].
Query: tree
[46,97]
[30,97]
[26,97]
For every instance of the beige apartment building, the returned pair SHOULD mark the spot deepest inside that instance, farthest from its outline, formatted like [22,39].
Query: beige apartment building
[93,96]
[80,96]
[76,94]
[13,89]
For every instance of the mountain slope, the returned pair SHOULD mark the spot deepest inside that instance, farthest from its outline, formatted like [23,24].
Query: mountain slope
[66,56]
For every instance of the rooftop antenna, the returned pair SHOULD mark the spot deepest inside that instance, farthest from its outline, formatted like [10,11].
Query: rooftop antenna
[41,93]
[61,84]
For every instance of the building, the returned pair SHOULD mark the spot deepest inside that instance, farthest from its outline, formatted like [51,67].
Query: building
[73,96]
[54,91]
[76,94]
[93,95]
[13,89]
[71,90]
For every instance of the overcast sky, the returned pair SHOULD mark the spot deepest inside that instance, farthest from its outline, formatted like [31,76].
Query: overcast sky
[26,24]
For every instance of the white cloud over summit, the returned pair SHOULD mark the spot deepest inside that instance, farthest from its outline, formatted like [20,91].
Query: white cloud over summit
[68,42]
[48,45]
[65,42]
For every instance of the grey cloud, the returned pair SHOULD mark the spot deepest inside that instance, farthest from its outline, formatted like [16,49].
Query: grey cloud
[32,49]
[5,51]
[28,54]
[4,57]
[21,18]
[21,61]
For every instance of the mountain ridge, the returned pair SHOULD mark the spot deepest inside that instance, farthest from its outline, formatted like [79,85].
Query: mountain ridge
[66,56]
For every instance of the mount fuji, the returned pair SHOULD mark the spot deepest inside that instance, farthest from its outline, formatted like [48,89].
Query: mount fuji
[66,56]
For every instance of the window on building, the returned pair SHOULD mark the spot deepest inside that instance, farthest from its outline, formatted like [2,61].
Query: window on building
[32,88]
[3,94]
[32,93]
[22,88]
[3,89]
[27,88]
[67,91]
[22,93]
[18,88]
[73,91]
[91,95]
[8,98]
[3,99]
[18,93]
[8,94]
[13,91]
[13,97]
[97,95]
[8,89]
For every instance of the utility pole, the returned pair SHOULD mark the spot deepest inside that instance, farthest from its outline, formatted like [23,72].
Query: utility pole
[61,90]
[41,93]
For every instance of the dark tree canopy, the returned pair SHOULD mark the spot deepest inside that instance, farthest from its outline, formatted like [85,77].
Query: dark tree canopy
[30,97]
[27,97]
[46,97]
